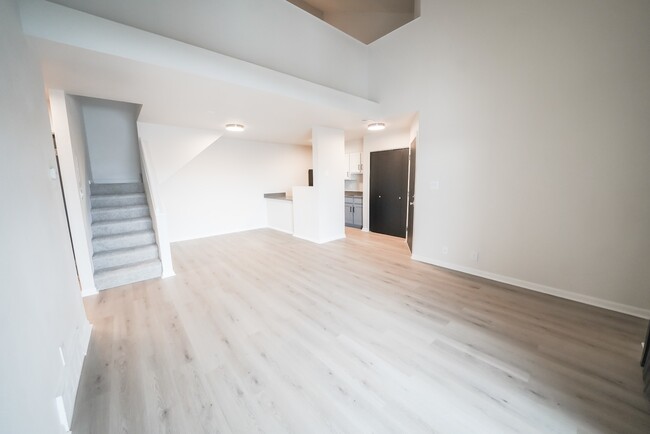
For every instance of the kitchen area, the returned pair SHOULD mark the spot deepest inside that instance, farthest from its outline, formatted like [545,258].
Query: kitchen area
[354,190]
[280,204]
[313,211]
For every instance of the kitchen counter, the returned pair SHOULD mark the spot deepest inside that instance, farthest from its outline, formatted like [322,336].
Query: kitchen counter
[278,196]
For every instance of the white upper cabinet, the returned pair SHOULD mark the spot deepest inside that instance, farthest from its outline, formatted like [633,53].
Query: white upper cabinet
[354,163]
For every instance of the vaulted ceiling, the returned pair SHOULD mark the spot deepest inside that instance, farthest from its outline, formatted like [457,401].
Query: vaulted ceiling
[365,20]
[183,85]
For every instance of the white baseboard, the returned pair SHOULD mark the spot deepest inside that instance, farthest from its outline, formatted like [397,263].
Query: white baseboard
[73,353]
[334,238]
[167,274]
[85,341]
[215,234]
[86,292]
[562,293]
[281,230]
[311,240]
[323,241]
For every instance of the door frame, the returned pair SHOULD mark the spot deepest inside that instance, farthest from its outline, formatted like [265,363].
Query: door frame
[394,221]
[411,195]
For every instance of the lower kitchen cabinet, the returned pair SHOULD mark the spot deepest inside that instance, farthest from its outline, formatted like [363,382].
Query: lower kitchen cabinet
[354,211]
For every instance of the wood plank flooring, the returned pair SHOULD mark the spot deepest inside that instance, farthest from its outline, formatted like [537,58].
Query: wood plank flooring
[260,332]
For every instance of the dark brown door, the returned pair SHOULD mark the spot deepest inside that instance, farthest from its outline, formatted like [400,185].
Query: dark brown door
[409,226]
[388,190]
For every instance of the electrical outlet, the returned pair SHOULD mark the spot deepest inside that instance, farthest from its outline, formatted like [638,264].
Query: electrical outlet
[474,256]
[445,250]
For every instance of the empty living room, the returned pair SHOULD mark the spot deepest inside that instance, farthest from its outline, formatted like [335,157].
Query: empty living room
[325,216]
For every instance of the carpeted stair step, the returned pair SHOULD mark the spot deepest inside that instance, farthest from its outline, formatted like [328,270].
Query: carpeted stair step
[121,257]
[127,188]
[117,276]
[119,213]
[123,241]
[115,200]
[114,227]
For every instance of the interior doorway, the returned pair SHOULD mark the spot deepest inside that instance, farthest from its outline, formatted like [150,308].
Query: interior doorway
[411,195]
[388,192]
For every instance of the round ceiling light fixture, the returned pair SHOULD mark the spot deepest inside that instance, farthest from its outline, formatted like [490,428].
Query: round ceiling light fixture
[235,127]
[376,126]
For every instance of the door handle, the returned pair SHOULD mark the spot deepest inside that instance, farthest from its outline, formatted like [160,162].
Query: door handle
[400,197]
[380,196]
[410,203]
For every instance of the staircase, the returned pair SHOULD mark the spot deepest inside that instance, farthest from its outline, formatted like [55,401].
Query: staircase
[124,243]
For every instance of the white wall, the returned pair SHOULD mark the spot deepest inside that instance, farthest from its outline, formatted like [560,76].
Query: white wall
[67,126]
[328,146]
[305,213]
[279,215]
[172,147]
[222,189]
[355,145]
[40,301]
[373,142]
[112,139]
[81,158]
[534,121]
[356,181]
[270,33]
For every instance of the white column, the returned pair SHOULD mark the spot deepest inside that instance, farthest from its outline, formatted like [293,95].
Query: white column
[319,210]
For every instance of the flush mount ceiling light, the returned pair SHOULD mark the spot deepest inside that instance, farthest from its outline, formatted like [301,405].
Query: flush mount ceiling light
[376,126]
[235,127]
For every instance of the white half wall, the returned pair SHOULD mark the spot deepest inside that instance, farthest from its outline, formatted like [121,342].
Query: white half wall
[222,189]
[533,140]
[68,128]
[40,298]
[81,159]
[279,214]
[305,213]
[342,76]
[274,34]
[112,138]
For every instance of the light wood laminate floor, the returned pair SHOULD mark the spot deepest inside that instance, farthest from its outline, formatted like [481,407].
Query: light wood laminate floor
[263,332]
